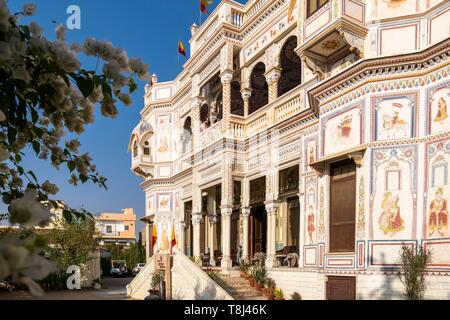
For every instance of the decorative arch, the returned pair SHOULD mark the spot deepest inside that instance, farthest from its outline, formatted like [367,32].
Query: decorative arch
[187,135]
[237,103]
[290,63]
[205,121]
[135,149]
[260,88]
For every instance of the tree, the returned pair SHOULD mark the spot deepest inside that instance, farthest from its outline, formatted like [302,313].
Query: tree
[414,265]
[45,94]
[71,243]
[133,254]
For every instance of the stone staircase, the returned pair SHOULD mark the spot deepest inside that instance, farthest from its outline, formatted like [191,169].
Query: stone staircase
[238,287]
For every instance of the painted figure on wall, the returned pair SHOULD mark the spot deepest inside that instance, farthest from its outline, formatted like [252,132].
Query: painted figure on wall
[394,126]
[311,224]
[164,246]
[163,145]
[390,221]
[438,220]
[311,152]
[442,113]
[343,130]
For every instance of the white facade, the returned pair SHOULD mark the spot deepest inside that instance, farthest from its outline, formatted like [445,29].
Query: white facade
[242,151]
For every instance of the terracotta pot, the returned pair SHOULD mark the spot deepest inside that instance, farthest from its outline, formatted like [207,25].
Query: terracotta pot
[251,281]
[242,275]
[270,297]
[278,298]
[258,287]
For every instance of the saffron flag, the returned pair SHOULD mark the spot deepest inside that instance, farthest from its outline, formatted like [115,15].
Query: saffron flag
[181,48]
[291,9]
[204,4]
[173,241]
[154,236]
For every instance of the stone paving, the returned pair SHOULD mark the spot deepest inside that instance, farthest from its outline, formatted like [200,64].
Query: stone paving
[112,289]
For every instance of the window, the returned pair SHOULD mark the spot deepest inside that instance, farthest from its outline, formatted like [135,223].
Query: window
[146,148]
[108,229]
[314,5]
[126,228]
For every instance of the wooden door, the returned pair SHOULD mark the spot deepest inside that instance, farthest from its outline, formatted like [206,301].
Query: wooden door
[341,288]
[342,207]
[259,232]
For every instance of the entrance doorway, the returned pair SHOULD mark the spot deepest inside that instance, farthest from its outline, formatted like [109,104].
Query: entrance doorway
[188,233]
[258,228]
[342,208]
[341,288]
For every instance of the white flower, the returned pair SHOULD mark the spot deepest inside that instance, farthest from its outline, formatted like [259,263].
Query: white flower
[28,211]
[50,188]
[125,98]
[108,107]
[35,30]
[2,116]
[29,9]
[61,32]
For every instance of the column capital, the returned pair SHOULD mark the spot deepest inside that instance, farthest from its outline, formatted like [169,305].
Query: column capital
[212,218]
[226,77]
[245,212]
[271,207]
[197,218]
[226,211]
[246,93]
[273,75]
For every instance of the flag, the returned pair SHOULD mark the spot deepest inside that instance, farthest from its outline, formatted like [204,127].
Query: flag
[154,235]
[291,9]
[181,48]
[204,4]
[173,241]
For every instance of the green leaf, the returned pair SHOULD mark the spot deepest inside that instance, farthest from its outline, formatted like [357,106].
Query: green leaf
[132,85]
[68,216]
[71,165]
[36,147]
[12,132]
[86,86]
[83,178]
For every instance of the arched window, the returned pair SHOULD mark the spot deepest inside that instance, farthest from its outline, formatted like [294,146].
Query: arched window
[260,89]
[135,149]
[146,148]
[291,74]
[187,135]
[237,103]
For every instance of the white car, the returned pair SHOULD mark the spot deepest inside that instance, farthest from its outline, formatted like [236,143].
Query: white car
[138,268]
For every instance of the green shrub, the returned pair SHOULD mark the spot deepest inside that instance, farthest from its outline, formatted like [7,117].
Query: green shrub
[414,264]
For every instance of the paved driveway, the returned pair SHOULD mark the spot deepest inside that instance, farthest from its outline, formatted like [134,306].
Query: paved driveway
[112,289]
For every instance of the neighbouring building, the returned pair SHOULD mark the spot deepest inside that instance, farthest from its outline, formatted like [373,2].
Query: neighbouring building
[116,228]
[321,136]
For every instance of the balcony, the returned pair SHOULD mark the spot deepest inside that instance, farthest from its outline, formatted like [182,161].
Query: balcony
[283,108]
[143,166]
[331,33]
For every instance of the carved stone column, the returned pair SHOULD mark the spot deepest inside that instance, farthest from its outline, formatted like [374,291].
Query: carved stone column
[245,215]
[226,212]
[212,222]
[196,105]
[246,94]
[272,78]
[196,225]
[181,243]
[272,210]
[226,78]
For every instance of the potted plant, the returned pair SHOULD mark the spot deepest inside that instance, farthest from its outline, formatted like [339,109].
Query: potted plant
[243,268]
[278,294]
[269,288]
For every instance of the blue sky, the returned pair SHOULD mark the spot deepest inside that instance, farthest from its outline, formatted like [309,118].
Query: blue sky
[148,29]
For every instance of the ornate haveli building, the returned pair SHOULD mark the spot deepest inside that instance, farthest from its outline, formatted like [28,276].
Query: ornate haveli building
[320,138]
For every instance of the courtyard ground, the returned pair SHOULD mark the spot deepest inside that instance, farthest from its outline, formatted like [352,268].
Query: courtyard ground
[112,289]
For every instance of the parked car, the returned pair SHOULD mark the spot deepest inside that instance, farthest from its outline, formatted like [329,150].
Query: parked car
[138,268]
[119,268]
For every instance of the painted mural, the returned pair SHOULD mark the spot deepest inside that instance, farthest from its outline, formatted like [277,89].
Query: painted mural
[164,202]
[342,130]
[311,149]
[438,193]
[394,116]
[163,141]
[438,108]
[311,209]
[393,192]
